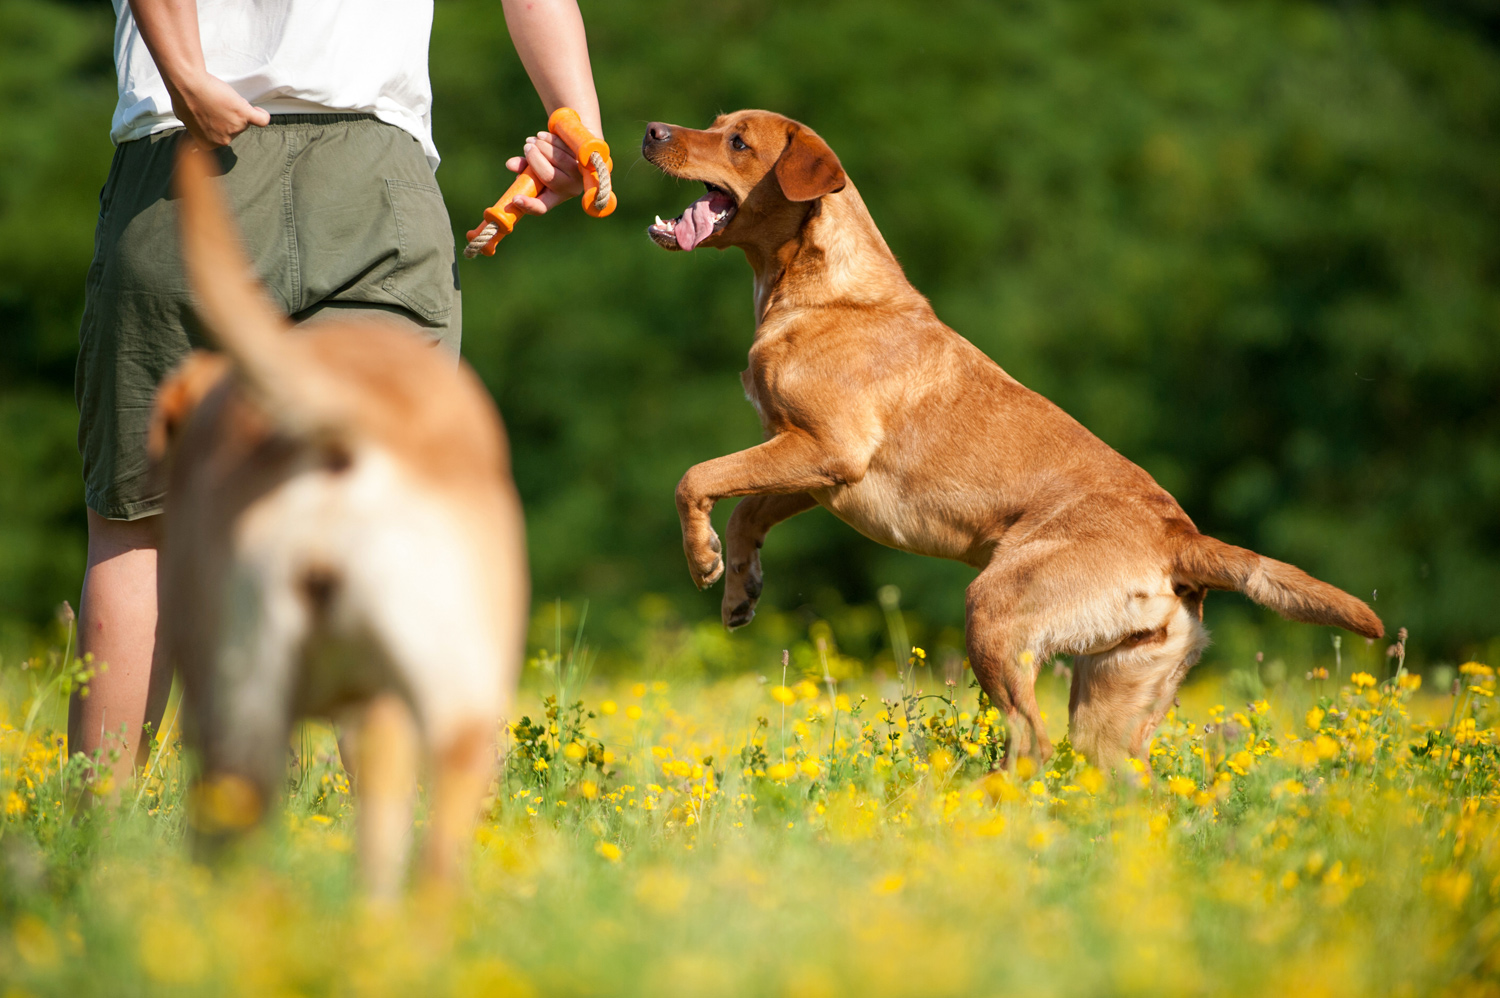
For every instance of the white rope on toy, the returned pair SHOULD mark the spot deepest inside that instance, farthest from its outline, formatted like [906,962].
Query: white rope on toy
[601,171]
[486,233]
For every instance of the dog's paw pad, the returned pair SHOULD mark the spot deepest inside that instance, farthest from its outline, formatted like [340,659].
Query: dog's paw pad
[740,615]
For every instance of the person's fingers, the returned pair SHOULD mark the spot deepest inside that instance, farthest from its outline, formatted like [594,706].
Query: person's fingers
[259,116]
[542,165]
[531,206]
[515,164]
[539,205]
[558,154]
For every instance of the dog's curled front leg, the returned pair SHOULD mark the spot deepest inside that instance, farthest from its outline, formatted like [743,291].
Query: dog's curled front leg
[748,525]
[699,541]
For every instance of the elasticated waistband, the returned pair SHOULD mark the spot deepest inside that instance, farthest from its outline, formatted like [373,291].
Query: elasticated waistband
[320,118]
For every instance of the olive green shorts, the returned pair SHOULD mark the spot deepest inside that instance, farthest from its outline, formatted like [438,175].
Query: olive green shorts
[341,216]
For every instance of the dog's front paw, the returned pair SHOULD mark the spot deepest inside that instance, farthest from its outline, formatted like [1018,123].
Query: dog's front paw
[704,561]
[741,592]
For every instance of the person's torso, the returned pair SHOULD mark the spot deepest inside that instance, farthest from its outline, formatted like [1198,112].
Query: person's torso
[292,56]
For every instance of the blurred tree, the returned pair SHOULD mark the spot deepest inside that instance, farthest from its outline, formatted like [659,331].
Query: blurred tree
[1252,245]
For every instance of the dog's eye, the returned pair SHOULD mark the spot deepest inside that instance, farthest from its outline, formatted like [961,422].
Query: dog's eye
[737,144]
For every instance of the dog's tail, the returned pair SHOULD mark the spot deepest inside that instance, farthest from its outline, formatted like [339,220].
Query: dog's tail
[1291,592]
[237,314]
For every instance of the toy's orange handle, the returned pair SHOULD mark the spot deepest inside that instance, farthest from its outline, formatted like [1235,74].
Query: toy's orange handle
[568,126]
[502,214]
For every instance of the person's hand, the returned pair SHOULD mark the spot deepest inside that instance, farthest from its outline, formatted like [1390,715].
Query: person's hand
[212,111]
[554,165]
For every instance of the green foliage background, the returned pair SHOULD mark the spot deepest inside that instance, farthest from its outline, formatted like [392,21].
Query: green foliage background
[1253,244]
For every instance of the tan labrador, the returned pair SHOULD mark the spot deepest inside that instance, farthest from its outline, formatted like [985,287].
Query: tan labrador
[907,432]
[341,534]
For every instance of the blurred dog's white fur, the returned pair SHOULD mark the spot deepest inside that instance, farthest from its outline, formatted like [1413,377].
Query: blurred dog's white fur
[342,537]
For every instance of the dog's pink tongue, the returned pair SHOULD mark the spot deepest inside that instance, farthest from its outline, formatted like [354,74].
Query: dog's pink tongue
[697,225]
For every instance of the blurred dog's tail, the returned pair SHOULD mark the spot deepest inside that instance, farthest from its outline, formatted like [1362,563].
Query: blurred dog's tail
[1291,592]
[299,394]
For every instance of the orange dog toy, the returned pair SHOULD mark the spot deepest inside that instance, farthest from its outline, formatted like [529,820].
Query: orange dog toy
[598,194]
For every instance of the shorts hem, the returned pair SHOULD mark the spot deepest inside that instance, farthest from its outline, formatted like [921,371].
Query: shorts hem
[138,510]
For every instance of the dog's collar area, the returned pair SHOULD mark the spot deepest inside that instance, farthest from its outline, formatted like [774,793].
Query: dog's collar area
[705,217]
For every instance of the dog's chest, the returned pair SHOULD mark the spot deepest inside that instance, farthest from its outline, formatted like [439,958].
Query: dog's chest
[747,378]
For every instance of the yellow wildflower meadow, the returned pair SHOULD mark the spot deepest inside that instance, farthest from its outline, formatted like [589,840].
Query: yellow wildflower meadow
[808,835]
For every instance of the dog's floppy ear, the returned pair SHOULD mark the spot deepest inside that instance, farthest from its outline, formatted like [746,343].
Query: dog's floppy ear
[807,168]
[178,397]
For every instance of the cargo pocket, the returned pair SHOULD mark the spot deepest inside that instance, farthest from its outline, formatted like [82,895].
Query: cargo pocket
[424,276]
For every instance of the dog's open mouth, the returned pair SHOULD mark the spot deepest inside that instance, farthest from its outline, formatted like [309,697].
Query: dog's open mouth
[701,219]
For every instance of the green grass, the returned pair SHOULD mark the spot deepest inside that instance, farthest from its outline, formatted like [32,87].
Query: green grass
[749,836]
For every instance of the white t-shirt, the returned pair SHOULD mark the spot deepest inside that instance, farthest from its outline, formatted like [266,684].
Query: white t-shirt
[292,57]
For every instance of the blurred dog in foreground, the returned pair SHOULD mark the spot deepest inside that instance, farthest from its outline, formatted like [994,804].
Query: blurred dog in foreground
[342,538]
[907,432]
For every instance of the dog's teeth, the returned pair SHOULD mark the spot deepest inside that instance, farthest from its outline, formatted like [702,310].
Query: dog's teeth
[659,221]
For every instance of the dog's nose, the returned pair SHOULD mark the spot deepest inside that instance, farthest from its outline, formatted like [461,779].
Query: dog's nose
[657,133]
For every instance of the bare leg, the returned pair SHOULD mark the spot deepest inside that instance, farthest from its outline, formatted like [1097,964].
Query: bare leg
[117,625]
[747,529]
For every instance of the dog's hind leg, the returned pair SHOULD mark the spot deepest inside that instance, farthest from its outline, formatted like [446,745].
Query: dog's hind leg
[748,525]
[463,764]
[387,781]
[1004,664]
[1120,695]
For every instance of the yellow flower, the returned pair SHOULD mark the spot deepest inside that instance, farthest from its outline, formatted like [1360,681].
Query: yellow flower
[608,850]
[1241,762]
[540,765]
[1181,785]
[1288,788]
[633,712]
[806,690]
[171,951]
[781,771]
[1315,718]
[1362,679]
[608,707]
[575,752]
[588,789]
[1475,669]
[1481,691]
[1326,747]
[1411,681]
[783,695]
[890,883]
[810,768]
[1037,789]
[1091,780]
[638,690]
[34,941]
